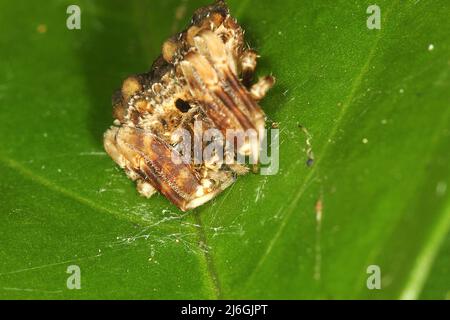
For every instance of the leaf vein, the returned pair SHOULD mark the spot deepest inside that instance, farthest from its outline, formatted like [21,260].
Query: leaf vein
[354,89]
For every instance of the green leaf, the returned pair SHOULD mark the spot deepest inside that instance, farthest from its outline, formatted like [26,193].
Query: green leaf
[375,105]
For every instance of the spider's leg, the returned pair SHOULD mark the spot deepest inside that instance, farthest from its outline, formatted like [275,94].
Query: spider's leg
[247,63]
[112,148]
[259,89]
[149,159]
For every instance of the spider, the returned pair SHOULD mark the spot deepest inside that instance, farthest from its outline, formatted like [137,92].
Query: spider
[201,81]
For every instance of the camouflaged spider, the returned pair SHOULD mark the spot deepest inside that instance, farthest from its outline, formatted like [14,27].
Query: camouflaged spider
[204,74]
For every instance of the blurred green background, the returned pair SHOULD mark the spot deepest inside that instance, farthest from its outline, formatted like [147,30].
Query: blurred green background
[376,103]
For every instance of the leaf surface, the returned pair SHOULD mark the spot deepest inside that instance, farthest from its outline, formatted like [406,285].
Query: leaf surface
[375,105]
